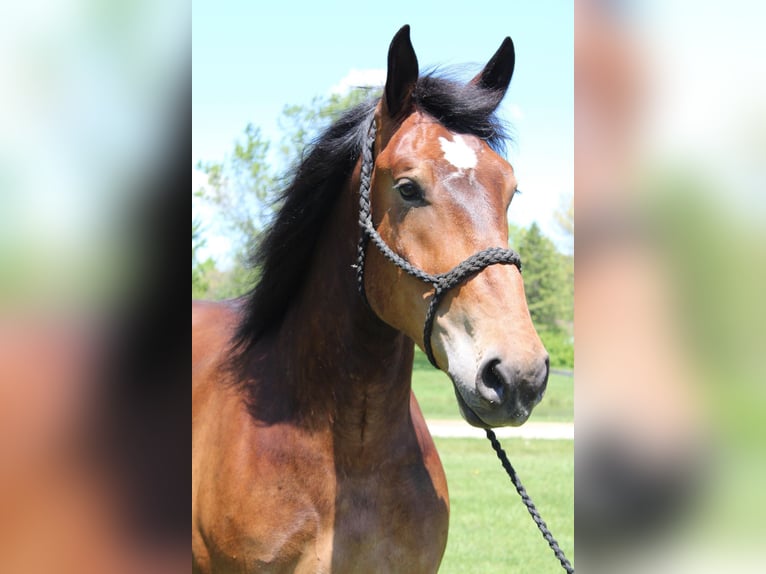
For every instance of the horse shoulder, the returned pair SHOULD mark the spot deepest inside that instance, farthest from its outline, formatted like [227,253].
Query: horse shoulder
[252,504]
[257,506]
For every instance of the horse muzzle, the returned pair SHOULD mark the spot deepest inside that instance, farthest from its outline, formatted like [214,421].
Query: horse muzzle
[502,394]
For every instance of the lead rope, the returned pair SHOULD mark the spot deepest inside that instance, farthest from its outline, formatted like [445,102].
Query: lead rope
[565,564]
[442,283]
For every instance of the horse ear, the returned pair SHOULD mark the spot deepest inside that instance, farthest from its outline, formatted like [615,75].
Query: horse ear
[402,72]
[496,75]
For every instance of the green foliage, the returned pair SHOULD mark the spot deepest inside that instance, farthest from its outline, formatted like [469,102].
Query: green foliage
[226,284]
[239,187]
[209,282]
[242,187]
[201,274]
[546,280]
[549,286]
[197,240]
[199,269]
[515,235]
[560,347]
[301,124]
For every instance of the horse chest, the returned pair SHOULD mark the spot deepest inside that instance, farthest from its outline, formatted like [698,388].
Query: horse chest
[389,522]
[371,522]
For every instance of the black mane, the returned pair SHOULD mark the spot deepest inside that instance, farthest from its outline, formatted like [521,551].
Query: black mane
[286,248]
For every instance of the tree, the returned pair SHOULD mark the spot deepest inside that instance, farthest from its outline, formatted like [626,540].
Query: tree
[515,235]
[244,185]
[301,124]
[545,280]
[199,283]
[239,187]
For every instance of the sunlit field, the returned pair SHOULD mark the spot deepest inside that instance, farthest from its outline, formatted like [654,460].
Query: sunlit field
[490,529]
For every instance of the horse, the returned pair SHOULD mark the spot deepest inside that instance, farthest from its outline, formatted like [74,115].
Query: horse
[310,452]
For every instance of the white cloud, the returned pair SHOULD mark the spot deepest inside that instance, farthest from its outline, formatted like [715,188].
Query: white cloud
[371,77]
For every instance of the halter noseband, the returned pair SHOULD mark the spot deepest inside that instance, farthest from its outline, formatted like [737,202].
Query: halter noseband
[442,282]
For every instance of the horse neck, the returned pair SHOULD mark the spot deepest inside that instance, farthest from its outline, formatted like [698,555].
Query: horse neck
[347,370]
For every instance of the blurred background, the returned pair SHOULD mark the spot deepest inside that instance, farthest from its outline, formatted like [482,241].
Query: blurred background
[669,157]
[94,125]
[670,325]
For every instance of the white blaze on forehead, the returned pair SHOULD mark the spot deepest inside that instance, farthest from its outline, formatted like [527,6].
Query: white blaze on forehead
[458,152]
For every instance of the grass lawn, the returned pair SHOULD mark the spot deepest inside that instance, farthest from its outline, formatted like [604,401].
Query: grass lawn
[490,529]
[436,396]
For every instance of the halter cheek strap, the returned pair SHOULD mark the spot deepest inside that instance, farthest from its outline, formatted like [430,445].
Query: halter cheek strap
[442,282]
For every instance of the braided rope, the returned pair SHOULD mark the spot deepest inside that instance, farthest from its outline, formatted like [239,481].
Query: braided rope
[442,283]
[565,564]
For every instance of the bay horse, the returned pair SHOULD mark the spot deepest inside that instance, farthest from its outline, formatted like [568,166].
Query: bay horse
[310,453]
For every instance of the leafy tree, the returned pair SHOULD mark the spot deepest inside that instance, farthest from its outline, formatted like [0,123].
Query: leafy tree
[197,240]
[199,283]
[560,347]
[227,284]
[301,124]
[239,187]
[515,235]
[243,185]
[545,279]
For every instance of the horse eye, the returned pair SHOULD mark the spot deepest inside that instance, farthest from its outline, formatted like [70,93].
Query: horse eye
[409,190]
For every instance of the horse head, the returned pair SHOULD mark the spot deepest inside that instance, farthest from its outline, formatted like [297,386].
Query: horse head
[439,194]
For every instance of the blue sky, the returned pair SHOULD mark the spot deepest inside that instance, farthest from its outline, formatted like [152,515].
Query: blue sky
[252,58]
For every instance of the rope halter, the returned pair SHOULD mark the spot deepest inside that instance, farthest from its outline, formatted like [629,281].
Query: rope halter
[441,282]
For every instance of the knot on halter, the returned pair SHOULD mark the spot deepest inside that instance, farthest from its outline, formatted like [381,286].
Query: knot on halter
[442,282]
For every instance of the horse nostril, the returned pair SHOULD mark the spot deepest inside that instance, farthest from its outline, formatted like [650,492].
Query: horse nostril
[535,388]
[546,373]
[492,383]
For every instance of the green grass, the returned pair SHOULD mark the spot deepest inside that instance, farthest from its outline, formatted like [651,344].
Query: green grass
[490,529]
[436,396]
